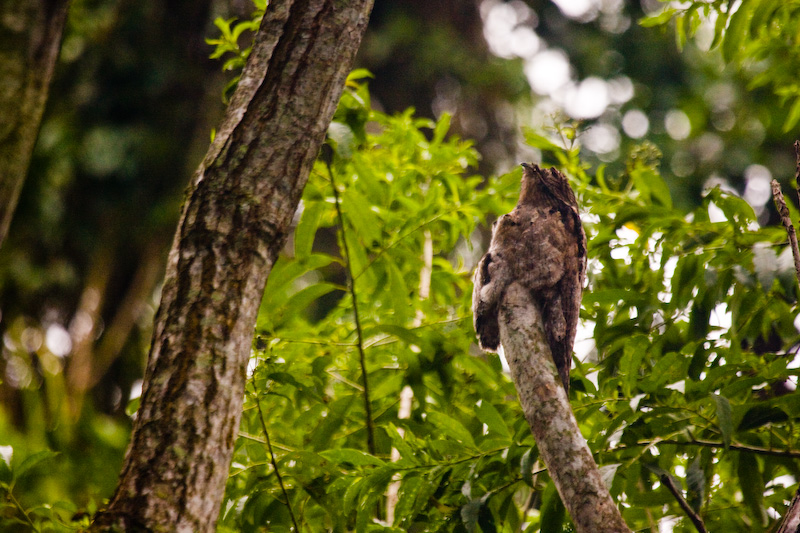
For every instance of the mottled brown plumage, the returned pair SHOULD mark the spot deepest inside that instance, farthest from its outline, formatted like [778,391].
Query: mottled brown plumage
[540,244]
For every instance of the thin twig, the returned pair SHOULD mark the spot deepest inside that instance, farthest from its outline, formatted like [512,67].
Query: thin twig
[272,457]
[666,480]
[786,219]
[407,394]
[715,444]
[797,167]
[398,240]
[21,509]
[352,287]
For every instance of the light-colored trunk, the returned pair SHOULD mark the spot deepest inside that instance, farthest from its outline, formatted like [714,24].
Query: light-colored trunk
[544,402]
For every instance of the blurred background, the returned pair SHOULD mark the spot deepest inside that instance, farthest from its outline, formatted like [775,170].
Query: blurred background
[135,98]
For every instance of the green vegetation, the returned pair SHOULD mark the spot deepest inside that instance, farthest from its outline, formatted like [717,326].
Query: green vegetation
[691,306]
[670,389]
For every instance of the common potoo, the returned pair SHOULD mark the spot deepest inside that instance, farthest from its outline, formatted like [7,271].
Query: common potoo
[540,244]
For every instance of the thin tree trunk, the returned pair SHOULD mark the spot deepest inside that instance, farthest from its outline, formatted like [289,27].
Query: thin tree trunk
[233,224]
[30,39]
[544,402]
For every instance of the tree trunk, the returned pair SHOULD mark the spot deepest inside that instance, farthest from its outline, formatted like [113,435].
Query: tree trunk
[233,224]
[791,520]
[30,38]
[544,402]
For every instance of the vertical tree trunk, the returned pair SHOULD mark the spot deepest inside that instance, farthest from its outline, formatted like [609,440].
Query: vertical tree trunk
[544,402]
[30,38]
[233,224]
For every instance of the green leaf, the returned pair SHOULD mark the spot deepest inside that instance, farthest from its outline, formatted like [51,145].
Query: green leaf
[406,509]
[737,32]
[540,141]
[526,465]
[32,461]
[371,491]
[441,129]
[359,212]
[350,498]
[450,427]
[133,406]
[659,19]
[401,444]
[752,485]
[792,117]
[719,29]
[725,418]
[652,186]
[300,300]
[489,415]
[607,473]
[553,511]
[351,456]
[289,379]
[306,229]
[696,484]
[631,362]
[341,139]
[359,74]
[286,271]
[681,20]
[761,415]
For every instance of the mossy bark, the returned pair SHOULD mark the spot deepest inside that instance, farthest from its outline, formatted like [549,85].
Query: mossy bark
[30,39]
[233,224]
[544,402]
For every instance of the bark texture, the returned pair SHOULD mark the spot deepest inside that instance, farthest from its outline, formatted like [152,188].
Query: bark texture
[233,224]
[30,39]
[544,402]
[791,520]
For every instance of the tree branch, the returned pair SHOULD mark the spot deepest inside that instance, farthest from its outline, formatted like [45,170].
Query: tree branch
[791,520]
[666,480]
[544,402]
[31,36]
[797,168]
[758,450]
[351,285]
[272,459]
[786,220]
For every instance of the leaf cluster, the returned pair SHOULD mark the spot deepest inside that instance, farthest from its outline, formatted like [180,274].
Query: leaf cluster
[691,315]
[760,36]
[229,44]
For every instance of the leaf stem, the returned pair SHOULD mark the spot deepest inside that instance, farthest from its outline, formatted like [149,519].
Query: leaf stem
[758,450]
[359,332]
[272,457]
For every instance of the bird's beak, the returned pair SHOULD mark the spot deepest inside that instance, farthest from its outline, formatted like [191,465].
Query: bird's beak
[527,166]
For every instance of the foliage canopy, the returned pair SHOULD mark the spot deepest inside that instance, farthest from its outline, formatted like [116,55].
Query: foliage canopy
[671,388]
[691,316]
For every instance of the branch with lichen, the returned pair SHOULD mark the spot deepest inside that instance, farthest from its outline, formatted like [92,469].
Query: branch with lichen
[544,402]
[786,220]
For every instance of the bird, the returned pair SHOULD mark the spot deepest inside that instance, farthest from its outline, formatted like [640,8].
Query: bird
[541,245]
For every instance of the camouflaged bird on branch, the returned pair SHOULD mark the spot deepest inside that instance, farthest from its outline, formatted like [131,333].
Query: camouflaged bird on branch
[541,245]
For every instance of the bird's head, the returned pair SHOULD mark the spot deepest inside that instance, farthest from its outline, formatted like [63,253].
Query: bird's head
[531,187]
